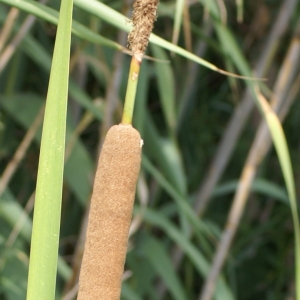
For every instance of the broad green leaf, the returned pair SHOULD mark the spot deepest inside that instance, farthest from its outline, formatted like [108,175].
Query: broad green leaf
[11,212]
[143,275]
[156,253]
[240,10]
[260,185]
[166,9]
[127,293]
[166,155]
[212,7]
[156,219]
[166,87]
[178,198]
[47,207]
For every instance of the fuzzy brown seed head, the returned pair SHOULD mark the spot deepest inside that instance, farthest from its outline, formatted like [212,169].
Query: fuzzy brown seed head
[143,17]
[110,215]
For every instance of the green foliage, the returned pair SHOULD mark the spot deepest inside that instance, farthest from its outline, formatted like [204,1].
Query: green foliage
[182,110]
[47,206]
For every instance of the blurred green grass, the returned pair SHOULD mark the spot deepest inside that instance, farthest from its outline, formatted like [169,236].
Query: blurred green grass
[182,111]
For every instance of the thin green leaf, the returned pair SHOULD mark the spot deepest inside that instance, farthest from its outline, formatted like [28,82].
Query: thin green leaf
[232,49]
[116,19]
[281,147]
[48,14]
[177,20]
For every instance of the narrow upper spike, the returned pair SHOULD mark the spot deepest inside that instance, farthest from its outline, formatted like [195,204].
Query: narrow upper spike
[143,17]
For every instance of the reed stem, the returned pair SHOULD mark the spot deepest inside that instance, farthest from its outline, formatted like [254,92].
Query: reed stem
[131,89]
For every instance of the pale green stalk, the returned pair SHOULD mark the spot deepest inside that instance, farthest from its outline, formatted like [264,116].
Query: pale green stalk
[131,90]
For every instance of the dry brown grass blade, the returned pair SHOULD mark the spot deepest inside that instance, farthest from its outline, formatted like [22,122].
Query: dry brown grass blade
[223,11]
[8,26]
[259,149]
[21,151]
[187,26]
[243,111]
[71,287]
[143,196]
[21,221]
[12,46]
[71,295]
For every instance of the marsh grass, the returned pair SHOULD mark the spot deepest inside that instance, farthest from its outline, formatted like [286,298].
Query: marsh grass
[197,128]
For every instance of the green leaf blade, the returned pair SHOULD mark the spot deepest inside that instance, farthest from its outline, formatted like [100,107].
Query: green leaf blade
[46,222]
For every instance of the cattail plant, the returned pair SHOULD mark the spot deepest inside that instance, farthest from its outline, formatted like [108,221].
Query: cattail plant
[115,181]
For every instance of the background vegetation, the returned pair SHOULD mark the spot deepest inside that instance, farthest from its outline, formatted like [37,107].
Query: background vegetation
[201,131]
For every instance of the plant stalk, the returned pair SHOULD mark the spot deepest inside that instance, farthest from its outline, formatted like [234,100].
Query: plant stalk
[131,89]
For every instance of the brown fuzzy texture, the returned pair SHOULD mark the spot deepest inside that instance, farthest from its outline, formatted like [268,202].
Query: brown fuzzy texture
[143,17]
[110,215]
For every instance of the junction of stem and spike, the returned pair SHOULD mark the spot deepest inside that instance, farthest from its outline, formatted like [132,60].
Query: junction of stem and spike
[143,17]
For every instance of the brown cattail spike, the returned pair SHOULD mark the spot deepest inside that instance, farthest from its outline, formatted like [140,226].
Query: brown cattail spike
[110,215]
[143,17]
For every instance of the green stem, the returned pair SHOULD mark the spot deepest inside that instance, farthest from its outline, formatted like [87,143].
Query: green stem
[131,90]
